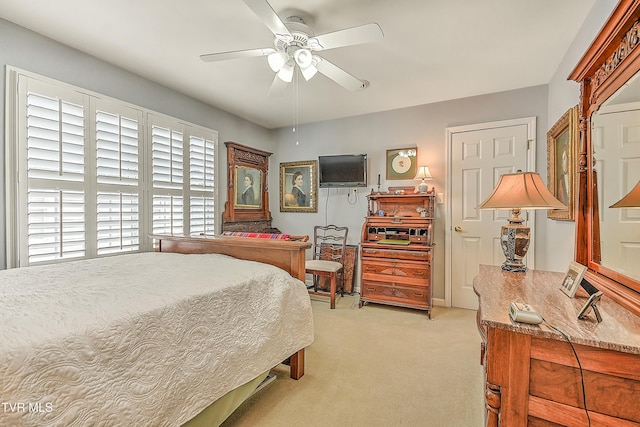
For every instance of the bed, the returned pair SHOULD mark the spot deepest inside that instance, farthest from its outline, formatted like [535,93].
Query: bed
[150,338]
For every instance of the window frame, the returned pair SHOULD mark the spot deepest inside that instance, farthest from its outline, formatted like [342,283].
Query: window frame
[15,166]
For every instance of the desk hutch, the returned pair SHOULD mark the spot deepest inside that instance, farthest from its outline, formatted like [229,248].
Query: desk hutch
[396,250]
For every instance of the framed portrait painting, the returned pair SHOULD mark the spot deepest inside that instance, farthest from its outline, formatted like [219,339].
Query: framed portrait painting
[248,185]
[562,147]
[299,186]
[402,163]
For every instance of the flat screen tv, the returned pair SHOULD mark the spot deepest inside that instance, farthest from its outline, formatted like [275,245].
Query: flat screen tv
[346,170]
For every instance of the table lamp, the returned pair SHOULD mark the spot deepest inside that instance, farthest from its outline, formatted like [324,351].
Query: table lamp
[631,200]
[422,175]
[516,191]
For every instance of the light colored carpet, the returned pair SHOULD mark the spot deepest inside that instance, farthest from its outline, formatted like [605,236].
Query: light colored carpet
[378,366]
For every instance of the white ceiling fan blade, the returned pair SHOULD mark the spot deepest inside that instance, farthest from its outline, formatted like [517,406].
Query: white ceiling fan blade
[277,87]
[270,18]
[223,56]
[367,33]
[340,76]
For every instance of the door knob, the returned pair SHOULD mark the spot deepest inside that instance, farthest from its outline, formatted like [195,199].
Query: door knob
[458,229]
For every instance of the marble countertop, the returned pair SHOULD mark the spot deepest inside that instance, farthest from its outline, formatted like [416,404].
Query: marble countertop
[496,288]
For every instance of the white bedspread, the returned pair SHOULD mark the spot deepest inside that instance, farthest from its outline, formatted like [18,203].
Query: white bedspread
[141,339]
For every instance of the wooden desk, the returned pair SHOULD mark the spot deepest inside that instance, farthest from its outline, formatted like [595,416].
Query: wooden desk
[532,376]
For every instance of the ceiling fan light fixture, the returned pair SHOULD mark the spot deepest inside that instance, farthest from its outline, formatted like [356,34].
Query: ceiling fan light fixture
[309,72]
[286,73]
[277,60]
[303,58]
[295,43]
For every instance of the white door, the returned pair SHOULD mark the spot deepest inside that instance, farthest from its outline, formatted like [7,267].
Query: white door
[478,155]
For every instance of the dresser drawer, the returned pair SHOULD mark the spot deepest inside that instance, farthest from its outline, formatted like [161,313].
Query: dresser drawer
[397,254]
[393,292]
[401,271]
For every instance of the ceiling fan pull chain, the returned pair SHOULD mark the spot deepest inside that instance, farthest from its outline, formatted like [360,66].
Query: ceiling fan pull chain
[296,104]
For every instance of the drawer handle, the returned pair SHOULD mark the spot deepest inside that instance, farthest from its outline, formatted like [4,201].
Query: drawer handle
[370,268]
[417,295]
[419,255]
[419,273]
[371,289]
[371,252]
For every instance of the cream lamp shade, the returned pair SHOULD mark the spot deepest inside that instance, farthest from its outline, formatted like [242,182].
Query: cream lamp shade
[516,191]
[422,175]
[631,200]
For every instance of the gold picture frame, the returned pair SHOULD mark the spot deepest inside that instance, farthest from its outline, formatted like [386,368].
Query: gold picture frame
[402,163]
[248,187]
[562,150]
[299,186]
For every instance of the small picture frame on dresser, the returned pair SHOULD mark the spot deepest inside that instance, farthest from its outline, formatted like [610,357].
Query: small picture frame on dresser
[572,279]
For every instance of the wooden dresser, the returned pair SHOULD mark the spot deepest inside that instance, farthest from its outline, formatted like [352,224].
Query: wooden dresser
[532,376]
[396,250]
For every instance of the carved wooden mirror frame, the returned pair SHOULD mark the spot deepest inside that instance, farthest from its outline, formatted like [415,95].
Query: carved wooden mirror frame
[251,166]
[611,60]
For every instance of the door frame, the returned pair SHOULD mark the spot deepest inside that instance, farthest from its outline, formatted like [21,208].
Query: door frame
[530,122]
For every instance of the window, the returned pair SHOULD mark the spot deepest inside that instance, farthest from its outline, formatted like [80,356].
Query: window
[96,175]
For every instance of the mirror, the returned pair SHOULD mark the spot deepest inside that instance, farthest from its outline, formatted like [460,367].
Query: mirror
[615,141]
[608,239]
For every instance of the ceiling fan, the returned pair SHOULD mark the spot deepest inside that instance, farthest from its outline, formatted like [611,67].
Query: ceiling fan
[296,45]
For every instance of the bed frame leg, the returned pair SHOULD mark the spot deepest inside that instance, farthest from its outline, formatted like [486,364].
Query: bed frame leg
[296,365]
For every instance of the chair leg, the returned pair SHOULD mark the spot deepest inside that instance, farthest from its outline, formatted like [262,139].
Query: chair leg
[333,291]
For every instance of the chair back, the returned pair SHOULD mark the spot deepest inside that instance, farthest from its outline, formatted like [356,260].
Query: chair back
[329,243]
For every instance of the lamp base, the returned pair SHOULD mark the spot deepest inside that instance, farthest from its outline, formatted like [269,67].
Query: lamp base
[515,239]
[423,187]
[514,268]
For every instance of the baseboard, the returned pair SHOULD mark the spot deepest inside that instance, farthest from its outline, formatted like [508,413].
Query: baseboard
[356,291]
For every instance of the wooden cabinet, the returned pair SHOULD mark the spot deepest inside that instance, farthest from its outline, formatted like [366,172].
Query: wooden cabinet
[247,167]
[396,250]
[534,376]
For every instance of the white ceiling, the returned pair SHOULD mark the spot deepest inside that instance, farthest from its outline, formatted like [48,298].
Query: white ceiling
[433,50]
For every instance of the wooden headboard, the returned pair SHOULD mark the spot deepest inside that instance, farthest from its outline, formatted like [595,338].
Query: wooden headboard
[286,254]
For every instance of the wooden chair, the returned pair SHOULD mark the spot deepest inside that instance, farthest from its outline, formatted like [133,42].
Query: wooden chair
[329,247]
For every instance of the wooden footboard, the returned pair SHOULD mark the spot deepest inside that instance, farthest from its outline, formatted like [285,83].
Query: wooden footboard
[286,254]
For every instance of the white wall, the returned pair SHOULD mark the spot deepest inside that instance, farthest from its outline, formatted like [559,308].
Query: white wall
[558,248]
[30,51]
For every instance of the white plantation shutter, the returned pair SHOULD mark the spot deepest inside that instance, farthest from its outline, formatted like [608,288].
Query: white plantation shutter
[167,159]
[168,215]
[202,215]
[201,185]
[116,149]
[117,223]
[56,224]
[55,178]
[201,164]
[55,138]
[95,175]
[117,169]
[167,155]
